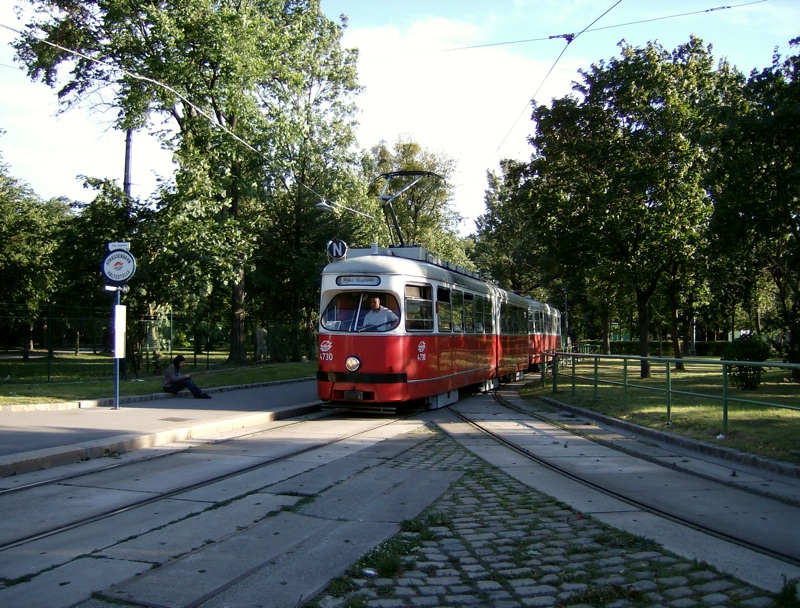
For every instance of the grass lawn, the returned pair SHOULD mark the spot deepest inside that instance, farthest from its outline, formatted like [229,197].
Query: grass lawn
[768,431]
[91,376]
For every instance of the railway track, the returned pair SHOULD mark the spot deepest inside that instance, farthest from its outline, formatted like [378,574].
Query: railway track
[716,501]
[27,532]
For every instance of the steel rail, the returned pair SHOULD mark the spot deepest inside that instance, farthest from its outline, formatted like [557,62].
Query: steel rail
[5,546]
[646,507]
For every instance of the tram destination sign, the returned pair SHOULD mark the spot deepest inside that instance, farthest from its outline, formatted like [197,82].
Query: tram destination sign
[358,280]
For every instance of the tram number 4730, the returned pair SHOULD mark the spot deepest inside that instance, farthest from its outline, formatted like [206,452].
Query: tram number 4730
[422,356]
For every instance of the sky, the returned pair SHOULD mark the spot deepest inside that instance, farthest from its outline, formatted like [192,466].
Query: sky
[456,76]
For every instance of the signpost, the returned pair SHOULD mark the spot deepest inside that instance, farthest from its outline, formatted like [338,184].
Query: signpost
[118,267]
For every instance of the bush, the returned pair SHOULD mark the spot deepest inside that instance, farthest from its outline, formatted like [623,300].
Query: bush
[631,347]
[747,348]
[711,349]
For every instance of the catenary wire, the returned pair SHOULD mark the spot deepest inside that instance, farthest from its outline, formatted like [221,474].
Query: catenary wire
[598,29]
[569,38]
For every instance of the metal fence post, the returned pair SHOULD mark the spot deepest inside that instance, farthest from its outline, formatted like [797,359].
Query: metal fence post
[625,383]
[573,375]
[669,393]
[596,376]
[555,372]
[724,397]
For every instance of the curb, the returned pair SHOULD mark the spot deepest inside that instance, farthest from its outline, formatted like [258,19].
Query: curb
[109,401]
[28,462]
[775,466]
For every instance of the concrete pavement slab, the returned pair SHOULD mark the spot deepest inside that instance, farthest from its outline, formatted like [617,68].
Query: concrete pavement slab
[316,480]
[254,556]
[295,577]
[69,584]
[201,529]
[50,552]
[178,471]
[381,494]
[53,510]
[35,440]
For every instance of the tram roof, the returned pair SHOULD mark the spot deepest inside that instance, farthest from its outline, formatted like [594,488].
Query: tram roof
[411,261]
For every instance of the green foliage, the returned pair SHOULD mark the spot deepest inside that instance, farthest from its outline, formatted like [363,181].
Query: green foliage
[711,349]
[756,224]
[386,558]
[631,347]
[788,596]
[258,102]
[30,236]
[747,348]
[505,245]
[620,172]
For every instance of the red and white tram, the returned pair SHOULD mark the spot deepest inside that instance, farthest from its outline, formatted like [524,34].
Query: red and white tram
[449,329]
[544,332]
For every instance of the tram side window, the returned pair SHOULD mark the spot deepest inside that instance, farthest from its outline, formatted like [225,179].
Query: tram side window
[479,324]
[538,321]
[444,309]
[513,319]
[520,320]
[458,311]
[488,316]
[469,313]
[419,308]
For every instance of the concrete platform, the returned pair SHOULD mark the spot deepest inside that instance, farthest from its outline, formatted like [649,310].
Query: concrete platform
[33,440]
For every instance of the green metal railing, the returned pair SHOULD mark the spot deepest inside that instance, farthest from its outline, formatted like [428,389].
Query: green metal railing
[563,360]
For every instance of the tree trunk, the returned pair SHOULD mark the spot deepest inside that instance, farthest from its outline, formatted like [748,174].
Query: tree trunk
[606,321]
[689,345]
[644,332]
[793,356]
[238,353]
[27,342]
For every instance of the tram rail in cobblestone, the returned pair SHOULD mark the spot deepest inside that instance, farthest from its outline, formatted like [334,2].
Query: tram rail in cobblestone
[627,496]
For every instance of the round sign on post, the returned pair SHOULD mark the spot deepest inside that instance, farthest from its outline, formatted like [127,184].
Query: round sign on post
[118,266]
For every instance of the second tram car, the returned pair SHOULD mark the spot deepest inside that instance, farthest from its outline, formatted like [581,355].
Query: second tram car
[447,329]
[544,332]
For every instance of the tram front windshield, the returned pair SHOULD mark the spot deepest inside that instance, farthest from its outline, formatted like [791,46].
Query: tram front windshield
[352,311]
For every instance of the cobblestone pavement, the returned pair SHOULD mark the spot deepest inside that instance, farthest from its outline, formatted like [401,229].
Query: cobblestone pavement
[492,541]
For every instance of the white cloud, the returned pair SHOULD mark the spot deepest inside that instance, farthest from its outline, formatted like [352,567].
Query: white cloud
[473,105]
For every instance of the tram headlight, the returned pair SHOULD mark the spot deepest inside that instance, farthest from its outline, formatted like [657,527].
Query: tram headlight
[352,364]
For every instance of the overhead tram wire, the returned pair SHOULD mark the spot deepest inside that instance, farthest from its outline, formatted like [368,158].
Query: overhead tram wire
[600,29]
[163,85]
[569,38]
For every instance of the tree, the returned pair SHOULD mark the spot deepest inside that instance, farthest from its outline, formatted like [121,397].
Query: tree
[212,70]
[624,165]
[505,246]
[29,243]
[756,218]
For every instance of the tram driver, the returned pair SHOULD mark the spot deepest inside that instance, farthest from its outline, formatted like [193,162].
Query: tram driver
[379,317]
